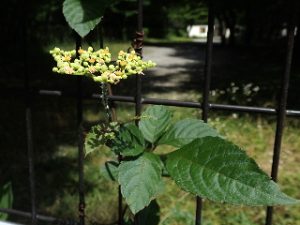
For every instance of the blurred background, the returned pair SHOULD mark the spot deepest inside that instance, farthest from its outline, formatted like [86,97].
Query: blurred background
[248,63]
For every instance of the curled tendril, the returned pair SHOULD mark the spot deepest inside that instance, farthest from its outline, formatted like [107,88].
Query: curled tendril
[98,64]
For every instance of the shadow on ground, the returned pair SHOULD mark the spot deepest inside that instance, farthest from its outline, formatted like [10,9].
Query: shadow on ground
[236,71]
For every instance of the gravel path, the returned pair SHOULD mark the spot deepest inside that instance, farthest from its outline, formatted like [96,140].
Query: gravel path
[179,74]
[179,71]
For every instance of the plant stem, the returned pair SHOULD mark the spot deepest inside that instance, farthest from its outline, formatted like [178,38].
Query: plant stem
[104,88]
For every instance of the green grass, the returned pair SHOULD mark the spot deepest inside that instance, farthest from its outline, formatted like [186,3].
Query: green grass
[254,134]
[56,162]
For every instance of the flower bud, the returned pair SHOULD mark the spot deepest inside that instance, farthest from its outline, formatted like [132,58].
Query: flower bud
[81,51]
[103,68]
[84,56]
[92,60]
[98,78]
[92,69]
[56,50]
[111,67]
[119,73]
[101,61]
[123,63]
[55,69]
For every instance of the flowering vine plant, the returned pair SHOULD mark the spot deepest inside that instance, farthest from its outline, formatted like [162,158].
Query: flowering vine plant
[203,163]
[98,64]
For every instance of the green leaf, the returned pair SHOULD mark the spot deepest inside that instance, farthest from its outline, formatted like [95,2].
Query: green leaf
[84,15]
[6,199]
[140,180]
[129,141]
[185,131]
[94,139]
[150,214]
[110,170]
[99,135]
[154,122]
[136,135]
[214,168]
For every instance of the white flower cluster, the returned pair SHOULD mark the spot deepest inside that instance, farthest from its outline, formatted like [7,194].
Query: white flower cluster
[98,64]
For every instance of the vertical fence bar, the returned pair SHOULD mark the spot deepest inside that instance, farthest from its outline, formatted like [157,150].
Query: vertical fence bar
[206,88]
[281,111]
[81,206]
[30,153]
[31,162]
[138,49]
[28,120]
[208,63]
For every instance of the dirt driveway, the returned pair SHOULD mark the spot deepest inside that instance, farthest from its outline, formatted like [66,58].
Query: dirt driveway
[180,68]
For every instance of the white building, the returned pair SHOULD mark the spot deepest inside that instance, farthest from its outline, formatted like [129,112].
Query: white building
[197,31]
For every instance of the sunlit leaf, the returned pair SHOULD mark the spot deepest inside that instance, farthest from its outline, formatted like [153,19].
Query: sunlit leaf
[6,199]
[84,15]
[140,180]
[94,139]
[185,131]
[154,122]
[216,169]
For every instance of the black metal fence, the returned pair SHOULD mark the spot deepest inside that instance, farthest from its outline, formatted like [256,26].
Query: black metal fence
[281,112]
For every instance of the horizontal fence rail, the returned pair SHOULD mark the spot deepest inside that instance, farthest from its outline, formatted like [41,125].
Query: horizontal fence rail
[167,102]
[39,217]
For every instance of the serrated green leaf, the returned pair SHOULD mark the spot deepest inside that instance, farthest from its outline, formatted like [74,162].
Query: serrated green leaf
[129,141]
[214,168]
[110,170]
[154,122]
[99,135]
[6,199]
[94,139]
[137,135]
[185,131]
[84,15]
[140,180]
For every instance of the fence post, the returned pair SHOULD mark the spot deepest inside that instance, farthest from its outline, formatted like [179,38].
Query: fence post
[28,120]
[30,153]
[137,44]
[138,47]
[281,110]
[206,88]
